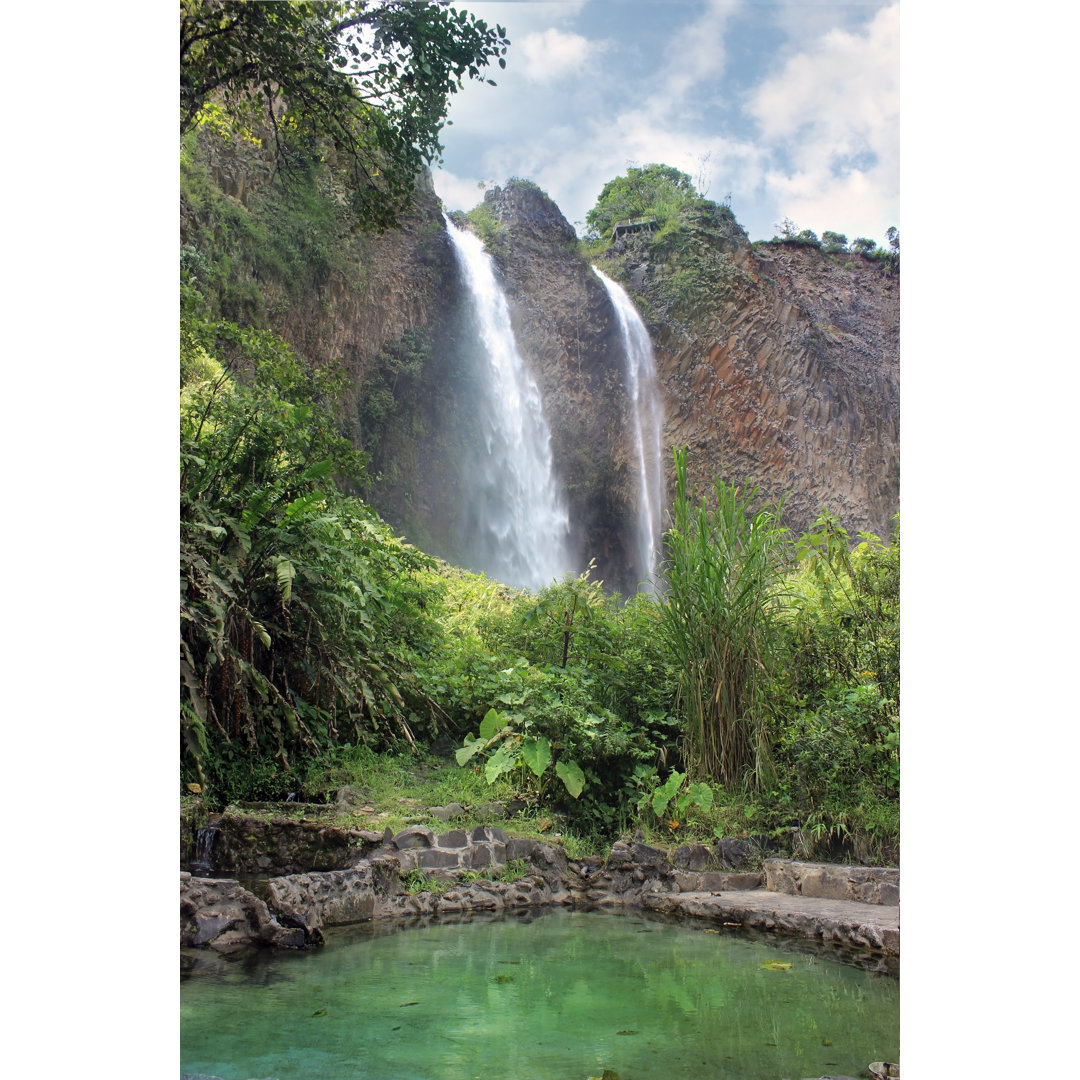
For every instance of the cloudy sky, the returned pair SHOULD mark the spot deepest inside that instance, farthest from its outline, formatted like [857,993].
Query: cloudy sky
[789,106]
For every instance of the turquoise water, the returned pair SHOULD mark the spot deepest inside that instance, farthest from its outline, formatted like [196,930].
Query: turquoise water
[558,996]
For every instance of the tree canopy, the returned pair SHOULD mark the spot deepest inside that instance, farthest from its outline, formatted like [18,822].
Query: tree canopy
[654,190]
[372,78]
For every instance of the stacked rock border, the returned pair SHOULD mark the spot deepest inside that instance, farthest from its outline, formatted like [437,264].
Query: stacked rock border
[355,876]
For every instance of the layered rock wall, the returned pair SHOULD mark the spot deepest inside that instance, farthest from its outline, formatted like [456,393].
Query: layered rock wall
[783,374]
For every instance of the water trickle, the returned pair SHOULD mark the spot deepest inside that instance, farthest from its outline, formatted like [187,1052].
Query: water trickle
[201,860]
[518,522]
[647,420]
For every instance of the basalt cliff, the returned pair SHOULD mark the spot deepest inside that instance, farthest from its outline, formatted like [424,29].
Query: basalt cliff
[778,365]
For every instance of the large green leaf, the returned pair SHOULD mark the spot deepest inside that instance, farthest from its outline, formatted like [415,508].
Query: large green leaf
[470,749]
[569,772]
[702,794]
[537,754]
[285,574]
[502,761]
[318,470]
[663,794]
[490,724]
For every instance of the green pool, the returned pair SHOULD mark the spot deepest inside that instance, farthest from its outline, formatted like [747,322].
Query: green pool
[560,995]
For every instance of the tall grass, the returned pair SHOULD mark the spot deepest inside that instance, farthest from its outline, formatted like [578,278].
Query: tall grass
[718,618]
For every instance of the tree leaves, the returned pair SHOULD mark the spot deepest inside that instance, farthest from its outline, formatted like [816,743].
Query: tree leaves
[663,795]
[286,572]
[490,724]
[502,761]
[372,78]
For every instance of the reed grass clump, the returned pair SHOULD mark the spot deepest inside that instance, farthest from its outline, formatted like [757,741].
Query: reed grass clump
[723,570]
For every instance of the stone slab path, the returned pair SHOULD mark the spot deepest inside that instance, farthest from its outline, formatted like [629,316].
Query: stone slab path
[846,922]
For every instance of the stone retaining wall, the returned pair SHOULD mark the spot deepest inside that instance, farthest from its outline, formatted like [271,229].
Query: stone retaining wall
[253,844]
[222,915]
[874,927]
[866,884]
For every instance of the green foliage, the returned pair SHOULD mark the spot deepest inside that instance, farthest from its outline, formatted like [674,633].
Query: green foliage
[833,242]
[510,871]
[418,881]
[501,658]
[843,643]
[294,598]
[657,191]
[245,262]
[391,390]
[369,79]
[719,621]
[513,742]
[483,222]
[674,798]
[694,240]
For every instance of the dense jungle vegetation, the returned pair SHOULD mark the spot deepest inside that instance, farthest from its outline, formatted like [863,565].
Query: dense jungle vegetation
[759,694]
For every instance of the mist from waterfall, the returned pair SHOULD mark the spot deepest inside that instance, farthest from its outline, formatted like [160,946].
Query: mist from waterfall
[647,420]
[517,522]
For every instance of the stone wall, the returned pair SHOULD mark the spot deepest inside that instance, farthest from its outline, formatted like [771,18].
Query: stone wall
[418,872]
[274,843]
[866,884]
[224,916]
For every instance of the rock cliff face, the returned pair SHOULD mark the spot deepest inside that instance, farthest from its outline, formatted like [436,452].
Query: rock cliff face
[786,377]
[779,368]
[778,365]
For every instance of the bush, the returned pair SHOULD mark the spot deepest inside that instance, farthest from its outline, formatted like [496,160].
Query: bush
[294,605]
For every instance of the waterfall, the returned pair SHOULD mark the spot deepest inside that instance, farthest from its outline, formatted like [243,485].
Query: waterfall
[518,522]
[201,860]
[647,418]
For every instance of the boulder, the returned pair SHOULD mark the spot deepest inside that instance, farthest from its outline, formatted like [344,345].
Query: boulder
[220,914]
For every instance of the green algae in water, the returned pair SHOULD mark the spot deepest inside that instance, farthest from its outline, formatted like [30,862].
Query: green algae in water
[589,992]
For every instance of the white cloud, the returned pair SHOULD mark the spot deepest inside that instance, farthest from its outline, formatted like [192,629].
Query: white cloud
[696,52]
[834,113]
[816,138]
[456,192]
[552,54]
[520,17]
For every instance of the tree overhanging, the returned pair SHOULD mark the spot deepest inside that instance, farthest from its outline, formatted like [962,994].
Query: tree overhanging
[372,78]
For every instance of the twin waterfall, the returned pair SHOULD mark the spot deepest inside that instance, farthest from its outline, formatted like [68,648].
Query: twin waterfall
[518,524]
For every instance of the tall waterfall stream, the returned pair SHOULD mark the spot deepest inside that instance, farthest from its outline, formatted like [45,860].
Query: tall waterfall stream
[647,419]
[519,521]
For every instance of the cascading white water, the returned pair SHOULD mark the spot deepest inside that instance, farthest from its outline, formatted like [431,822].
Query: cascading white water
[647,419]
[520,525]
